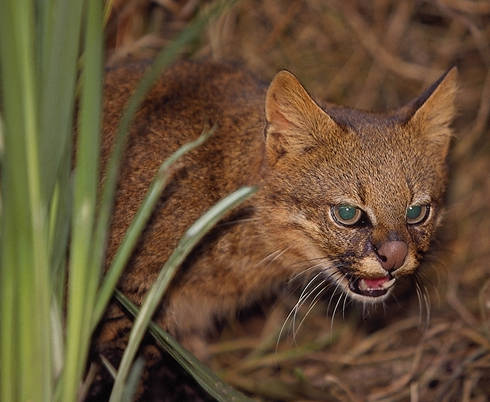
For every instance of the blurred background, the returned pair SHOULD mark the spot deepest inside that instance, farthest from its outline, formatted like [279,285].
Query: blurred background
[371,55]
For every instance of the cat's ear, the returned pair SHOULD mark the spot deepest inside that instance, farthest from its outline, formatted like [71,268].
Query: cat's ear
[294,121]
[433,112]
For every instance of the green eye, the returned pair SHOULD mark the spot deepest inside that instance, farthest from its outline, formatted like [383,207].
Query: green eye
[417,214]
[346,214]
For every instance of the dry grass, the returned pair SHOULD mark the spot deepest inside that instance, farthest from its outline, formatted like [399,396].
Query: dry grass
[371,55]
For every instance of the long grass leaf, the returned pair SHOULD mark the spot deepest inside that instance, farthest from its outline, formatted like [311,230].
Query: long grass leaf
[84,276]
[59,229]
[60,22]
[133,379]
[24,269]
[191,237]
[209,381]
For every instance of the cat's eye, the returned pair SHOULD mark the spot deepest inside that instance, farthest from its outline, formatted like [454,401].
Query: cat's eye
[417,214]
[346,215]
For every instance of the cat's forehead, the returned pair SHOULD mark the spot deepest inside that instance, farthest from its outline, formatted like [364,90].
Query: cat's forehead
[380,161]
[359,120]
[372,134]
[372,144]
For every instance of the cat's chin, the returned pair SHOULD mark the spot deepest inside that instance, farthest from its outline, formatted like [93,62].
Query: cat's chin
[369,290]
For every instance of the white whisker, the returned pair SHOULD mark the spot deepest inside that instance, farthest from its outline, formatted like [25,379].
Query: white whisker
[278,255]
[334,310]
[343,308]
[419,298]
[331,297]
[427,306]
[300,303]
[295,307]
[312,305]
[321,264]
[272,256]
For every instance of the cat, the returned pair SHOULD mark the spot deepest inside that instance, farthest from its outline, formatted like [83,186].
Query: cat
[350,197]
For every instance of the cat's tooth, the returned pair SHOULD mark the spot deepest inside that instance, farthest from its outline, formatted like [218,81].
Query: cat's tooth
[388,284]
[363,285]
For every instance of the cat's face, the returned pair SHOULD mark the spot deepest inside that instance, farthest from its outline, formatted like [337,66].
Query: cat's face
[358,196]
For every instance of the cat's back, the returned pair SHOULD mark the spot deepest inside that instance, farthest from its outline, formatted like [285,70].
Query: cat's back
[188,95]
[189,98]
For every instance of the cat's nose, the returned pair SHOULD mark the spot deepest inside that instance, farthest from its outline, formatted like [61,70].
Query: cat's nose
[392,254]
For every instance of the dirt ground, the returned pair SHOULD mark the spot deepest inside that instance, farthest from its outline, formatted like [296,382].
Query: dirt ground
[372,55]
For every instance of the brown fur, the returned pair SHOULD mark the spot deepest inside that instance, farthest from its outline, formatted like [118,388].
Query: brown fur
[304,160]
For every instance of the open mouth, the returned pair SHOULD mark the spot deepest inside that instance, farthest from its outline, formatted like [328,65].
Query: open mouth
[376,287]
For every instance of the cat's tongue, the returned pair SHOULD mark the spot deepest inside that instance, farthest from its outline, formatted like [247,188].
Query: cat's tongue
[375,283]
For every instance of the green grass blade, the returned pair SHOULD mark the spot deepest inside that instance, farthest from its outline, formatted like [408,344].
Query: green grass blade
[60,22]
[138,224]
[209,381]
[108,366]
[133,379]
[59,228]
[84,276]
[191,237]
[57,338]
[25,359]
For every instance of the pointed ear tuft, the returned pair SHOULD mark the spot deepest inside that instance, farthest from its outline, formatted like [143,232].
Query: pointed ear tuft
[434,110]
[294,120]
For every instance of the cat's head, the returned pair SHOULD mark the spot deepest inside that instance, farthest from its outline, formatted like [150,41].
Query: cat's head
[355,194]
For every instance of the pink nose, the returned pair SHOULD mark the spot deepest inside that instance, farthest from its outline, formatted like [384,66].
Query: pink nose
[392,254]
